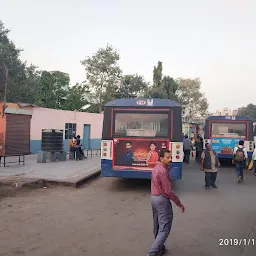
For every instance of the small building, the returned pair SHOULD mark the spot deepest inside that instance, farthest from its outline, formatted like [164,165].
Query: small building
[36,119]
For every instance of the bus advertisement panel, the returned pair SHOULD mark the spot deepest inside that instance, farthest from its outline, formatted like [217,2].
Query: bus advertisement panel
[224,145]
[137,154]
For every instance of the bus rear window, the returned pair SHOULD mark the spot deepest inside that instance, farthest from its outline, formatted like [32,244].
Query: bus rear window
[142,125]
[229,130]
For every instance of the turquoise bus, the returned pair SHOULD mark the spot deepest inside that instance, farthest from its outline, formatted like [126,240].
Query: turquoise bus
[225,132]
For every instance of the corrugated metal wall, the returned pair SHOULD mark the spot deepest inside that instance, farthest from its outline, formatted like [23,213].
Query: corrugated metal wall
[17,134]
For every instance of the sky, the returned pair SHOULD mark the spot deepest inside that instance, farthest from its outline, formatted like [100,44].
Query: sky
[214,40]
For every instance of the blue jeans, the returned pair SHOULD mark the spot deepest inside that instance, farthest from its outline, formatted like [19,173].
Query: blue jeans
[240,169]
[254,166]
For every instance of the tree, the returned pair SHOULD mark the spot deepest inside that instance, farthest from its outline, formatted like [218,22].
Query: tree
[170,87]
[53,89]
[132,86]
[164,87]
[249,111]
[157,74]
[166,90]
[189,95]
[76,97]
[103,75]
[18,79]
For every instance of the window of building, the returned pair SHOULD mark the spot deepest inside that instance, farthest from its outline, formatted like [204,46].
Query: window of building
[70,130]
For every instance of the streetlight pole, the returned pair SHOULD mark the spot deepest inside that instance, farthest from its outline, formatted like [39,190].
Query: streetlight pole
[5,89]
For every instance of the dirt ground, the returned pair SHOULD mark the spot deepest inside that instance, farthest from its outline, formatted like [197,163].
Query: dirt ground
[112,217]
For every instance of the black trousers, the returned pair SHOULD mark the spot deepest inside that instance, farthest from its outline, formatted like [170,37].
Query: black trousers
[210,178]
[186,156]
[198,156]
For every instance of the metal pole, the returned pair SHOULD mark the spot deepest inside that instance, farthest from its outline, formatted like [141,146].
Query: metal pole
[5,89]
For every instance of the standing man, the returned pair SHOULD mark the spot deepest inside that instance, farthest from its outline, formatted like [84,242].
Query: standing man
[240,159]
[161,194]
[187,147]
[199,148]
[209,164]
[254,161]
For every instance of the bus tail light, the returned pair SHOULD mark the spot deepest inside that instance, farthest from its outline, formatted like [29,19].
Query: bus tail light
[106,149]
[177,151]
[249,146]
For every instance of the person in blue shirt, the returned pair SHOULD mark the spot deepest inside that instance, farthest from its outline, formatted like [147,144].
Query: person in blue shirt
[127,157]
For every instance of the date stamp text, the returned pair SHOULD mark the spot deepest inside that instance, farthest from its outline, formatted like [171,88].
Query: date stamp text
[237,241]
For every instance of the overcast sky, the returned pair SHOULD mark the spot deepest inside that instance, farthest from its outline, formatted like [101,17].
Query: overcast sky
[211,39]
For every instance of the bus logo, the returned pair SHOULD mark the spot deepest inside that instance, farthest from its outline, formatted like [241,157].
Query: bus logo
[141,102]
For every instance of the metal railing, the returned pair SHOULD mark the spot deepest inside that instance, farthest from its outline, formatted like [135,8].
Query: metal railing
[91,152]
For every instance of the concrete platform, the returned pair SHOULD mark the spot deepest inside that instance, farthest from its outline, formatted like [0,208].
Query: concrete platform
[70,172]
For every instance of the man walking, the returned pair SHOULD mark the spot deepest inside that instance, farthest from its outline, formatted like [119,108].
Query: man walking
[161,194]
[209,164]
[187,147]
[240,159]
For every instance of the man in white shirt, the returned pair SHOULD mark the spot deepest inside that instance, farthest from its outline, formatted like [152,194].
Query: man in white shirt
[240,159]
[254,161]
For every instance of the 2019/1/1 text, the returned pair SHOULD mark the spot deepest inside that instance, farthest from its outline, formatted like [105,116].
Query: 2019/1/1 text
[236,242]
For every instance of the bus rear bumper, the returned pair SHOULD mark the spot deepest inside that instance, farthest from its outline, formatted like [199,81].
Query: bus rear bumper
[107,171]
[228,156]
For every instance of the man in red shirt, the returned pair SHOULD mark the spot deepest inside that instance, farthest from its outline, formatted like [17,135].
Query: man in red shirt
[161,194]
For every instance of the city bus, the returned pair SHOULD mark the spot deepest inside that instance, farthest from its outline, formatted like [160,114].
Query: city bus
[225,132]
[134,131]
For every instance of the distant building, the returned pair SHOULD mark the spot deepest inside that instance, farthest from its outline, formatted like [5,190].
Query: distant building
[226,112]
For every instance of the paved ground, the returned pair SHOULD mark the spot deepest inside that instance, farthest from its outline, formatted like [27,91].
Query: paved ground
[112,217]
[69,171]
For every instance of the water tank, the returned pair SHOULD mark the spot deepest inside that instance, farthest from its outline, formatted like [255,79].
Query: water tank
[52,140]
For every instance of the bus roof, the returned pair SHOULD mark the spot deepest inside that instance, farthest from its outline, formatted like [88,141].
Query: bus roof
[142,102]
[240,118]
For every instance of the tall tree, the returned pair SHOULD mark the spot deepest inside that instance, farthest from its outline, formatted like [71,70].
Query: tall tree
[164,87]
[157,74]
[192,99]
[53,89]
[103,75]
[18,79]
[249,111]
[132,86]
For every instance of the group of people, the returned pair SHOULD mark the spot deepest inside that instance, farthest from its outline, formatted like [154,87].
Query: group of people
[75,147]
[188,147]
[162,193]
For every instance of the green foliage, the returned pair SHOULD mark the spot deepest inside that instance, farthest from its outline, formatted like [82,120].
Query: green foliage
[190,96]
[103,75]
[76,97]
[249,111]
[132,86]
[9,57]
[164,87]
[157,74]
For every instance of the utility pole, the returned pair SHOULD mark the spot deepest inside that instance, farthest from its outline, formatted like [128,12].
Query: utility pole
[5,88]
